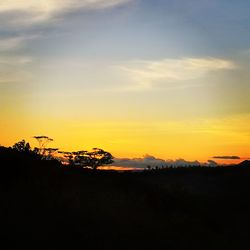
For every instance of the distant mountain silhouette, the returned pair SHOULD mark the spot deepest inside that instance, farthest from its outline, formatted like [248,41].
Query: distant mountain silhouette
[245,163]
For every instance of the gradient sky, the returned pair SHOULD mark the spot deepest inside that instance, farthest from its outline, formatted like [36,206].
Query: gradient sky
[169,78]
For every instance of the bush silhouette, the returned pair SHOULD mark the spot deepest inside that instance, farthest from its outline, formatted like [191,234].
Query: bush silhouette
[22,146]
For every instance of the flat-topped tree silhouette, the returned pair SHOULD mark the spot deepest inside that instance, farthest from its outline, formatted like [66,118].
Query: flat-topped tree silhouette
[42,142]
[94,159]
[98,157]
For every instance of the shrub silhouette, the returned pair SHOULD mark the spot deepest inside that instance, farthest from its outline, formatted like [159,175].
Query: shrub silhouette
[22,146]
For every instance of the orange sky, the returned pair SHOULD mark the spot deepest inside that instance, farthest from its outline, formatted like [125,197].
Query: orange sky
[196,140]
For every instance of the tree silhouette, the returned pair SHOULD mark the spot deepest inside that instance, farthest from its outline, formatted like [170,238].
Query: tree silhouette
[22,146]
[98,157]
[69,156]
[81,158]
[42,142]
[49,153]
[94,159]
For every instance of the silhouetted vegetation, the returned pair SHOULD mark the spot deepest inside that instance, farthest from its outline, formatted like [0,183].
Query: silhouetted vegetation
[22,146]
[94,159]
[50,205]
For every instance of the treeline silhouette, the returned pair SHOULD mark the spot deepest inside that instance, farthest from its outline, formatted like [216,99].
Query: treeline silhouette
[83,158]
[47,204]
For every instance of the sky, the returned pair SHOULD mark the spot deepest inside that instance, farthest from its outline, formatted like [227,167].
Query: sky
[158,79]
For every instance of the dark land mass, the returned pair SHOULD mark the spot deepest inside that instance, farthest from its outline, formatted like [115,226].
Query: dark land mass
[47,205]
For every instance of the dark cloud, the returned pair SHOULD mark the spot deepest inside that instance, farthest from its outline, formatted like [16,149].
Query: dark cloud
[233,157]
[148,160]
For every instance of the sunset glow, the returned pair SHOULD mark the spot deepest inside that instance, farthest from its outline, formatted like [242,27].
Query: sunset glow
[160,78]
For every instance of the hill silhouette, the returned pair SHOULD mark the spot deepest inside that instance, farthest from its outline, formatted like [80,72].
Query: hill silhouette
[245,163]
[48,204]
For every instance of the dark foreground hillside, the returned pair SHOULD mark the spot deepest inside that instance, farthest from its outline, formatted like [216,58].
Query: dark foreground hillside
[46,205]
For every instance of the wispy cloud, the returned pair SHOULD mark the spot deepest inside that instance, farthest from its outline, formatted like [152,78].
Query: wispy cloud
[13,43]
[33,11]
[12,68]
[18,27]
[147,73]
[233,157]
[14,60]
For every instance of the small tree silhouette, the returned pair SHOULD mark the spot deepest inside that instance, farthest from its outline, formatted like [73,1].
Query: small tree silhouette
[49,153]
[22,146]
[69,156]
[42,142]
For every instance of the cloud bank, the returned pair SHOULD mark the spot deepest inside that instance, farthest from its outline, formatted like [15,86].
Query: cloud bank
[148,160]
